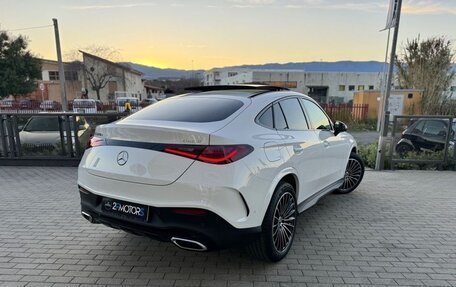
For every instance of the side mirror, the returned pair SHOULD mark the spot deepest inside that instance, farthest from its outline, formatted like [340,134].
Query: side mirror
[339,127]
[20,127]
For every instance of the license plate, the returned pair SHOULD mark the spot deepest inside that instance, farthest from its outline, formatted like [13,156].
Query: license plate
[125,210]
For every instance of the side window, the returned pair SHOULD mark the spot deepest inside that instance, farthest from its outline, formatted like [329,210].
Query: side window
[318,119]
[293,114]
[266,119]
[279,119]
[435,128]
[419,127]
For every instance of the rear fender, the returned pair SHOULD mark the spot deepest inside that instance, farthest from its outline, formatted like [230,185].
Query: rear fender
[274,183]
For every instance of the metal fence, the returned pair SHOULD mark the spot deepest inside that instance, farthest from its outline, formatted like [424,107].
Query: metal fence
[31,106]
[423,141]
[47,138]
[344,111]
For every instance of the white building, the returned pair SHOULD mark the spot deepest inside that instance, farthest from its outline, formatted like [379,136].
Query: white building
[322,86]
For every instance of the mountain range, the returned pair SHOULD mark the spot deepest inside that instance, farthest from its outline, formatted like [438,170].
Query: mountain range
[152,73]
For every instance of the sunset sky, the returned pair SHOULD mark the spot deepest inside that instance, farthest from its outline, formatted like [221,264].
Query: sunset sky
[215,33]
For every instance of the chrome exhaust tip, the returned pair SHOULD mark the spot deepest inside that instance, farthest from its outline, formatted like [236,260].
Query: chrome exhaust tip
[87,216]
[188,244]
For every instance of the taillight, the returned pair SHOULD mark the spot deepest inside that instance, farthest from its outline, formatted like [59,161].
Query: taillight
[95,141]
[185,150]
[217,154]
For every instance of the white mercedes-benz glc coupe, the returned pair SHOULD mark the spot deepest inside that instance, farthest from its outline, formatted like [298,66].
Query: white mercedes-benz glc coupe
[218,166]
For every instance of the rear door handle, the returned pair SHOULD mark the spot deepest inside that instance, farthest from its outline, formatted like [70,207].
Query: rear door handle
[326,143]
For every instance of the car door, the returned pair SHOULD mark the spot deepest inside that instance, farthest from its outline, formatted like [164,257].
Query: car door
[303,147]
[336,148]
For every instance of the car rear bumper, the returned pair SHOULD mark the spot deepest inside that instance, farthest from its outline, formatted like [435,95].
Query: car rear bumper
[163,224]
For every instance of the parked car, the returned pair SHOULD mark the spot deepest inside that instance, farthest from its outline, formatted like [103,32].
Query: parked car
[425,134]
[87,106]
[8,105]
[50,105]
[29,105]
[216,167]
[148,101]
[42,133]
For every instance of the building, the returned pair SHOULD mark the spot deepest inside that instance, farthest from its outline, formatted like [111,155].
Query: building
[112,77]
[401,102]
[152,91]
[50,81]
[325,87]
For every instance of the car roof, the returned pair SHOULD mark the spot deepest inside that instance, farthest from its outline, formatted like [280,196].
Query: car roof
[246,91]
[258,93]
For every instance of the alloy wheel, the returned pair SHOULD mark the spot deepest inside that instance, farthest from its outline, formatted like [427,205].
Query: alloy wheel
[353,174]
[283,224]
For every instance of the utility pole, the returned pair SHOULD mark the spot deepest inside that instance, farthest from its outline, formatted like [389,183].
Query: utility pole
[63,97]
[383,123]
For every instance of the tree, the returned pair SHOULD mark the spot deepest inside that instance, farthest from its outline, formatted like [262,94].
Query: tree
[96,70]
[427,66]
[19,69]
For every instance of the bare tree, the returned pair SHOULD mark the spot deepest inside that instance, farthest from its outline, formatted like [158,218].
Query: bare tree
[97,64]
[427,66]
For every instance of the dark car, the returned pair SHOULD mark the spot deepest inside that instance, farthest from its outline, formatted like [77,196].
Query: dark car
[29,105]
[425,134]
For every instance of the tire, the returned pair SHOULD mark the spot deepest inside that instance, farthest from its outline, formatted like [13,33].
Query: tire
[403,148]
[354,173]
[278,227]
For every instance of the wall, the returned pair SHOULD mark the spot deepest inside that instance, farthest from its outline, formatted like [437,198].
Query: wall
[411,104]
[134,85]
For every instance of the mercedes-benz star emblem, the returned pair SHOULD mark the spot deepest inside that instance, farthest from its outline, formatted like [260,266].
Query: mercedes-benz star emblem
[122,158]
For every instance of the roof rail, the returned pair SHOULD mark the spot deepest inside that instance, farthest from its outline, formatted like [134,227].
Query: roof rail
[236,87]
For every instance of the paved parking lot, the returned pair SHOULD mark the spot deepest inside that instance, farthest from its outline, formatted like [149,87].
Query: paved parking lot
[398,228]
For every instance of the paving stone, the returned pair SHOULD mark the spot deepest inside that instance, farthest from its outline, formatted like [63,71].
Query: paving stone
[398,228]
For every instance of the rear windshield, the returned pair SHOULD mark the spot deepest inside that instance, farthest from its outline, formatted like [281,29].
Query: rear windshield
[189,109]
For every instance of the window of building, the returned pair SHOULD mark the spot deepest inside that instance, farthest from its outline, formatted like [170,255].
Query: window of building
[341,88]
[232,74]
[351,88]
[371,87]
[71,75]
[317,117]
[360,87]
[293,114]
[54,75]
[453,88]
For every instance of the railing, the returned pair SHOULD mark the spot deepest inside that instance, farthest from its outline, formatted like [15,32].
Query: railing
[47,138]
[423,141]
[345,111]
[30,107]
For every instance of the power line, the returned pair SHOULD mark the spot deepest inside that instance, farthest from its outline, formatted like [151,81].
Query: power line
[27,28]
